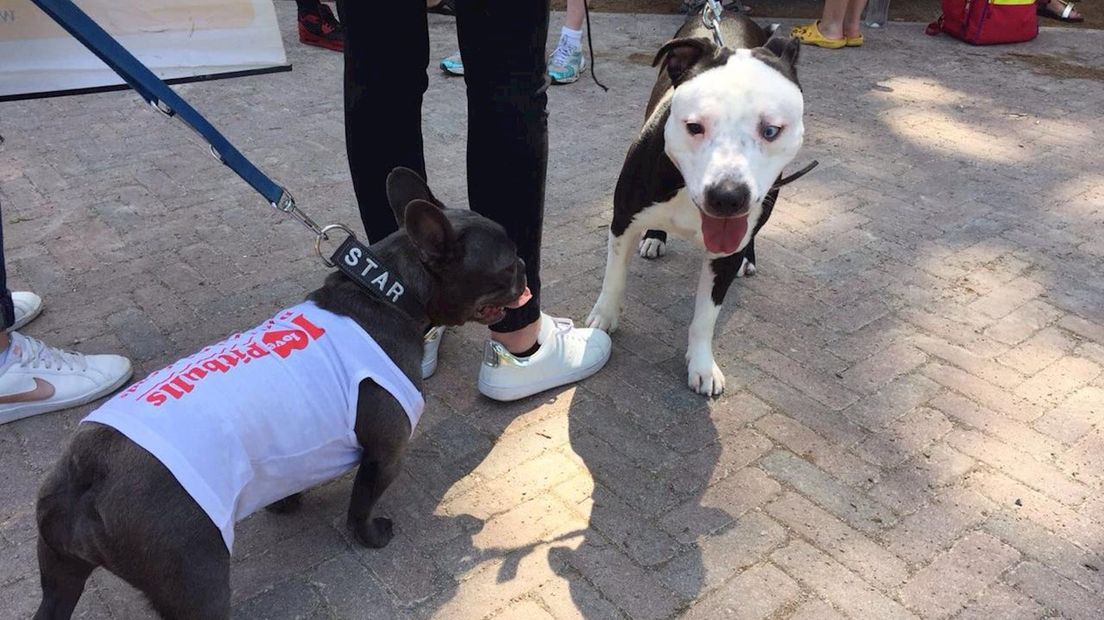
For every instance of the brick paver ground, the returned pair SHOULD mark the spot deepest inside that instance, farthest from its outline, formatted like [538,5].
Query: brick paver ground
[915,389]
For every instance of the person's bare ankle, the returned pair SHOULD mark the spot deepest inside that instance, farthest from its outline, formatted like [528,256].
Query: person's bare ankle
[830,31]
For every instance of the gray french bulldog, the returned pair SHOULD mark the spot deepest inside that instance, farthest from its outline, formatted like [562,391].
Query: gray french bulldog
[154,500]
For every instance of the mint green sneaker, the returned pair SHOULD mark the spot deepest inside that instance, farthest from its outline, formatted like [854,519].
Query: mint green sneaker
[453,64]
[566,64]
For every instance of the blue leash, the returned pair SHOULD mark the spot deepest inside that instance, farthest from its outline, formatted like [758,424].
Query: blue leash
[158,94]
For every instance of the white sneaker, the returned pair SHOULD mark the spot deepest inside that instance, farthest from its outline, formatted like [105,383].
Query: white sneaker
[567,354]
[37,378]
[431,345]
[27,307]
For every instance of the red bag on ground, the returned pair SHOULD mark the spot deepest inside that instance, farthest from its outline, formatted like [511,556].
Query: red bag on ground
[987,22]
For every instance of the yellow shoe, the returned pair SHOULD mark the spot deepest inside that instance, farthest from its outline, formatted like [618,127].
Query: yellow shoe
[854,41]
[809,34]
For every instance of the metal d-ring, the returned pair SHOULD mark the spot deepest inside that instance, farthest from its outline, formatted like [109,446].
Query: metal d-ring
[323,236]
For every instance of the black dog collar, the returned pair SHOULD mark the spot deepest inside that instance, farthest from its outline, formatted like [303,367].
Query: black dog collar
[355,260]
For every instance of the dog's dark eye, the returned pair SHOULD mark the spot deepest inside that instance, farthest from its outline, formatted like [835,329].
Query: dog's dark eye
[695,129]
[770,132]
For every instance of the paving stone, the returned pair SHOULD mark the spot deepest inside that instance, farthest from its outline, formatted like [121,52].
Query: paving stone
[944,586]
[1055,592]
[883,367]
[812,447]
[715,558]
[834,582]
[847,546]
[754,593]
[893,401]
[910,485]
[572,598]
[1035,474]
[1059,380]
[911,434]
[983,392]
[719,505]
[847,504]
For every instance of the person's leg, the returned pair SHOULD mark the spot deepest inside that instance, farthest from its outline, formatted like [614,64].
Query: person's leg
[833,16]
[386,55]
[852,18]
[7,309]
[567,61]
[575,12]
[503,45]
[36,378]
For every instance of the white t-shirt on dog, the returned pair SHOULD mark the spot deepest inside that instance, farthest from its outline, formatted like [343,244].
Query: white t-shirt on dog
[261,415]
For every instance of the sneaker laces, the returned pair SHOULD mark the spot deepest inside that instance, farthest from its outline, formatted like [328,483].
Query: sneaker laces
[563,53]
[35,354]
[563,325]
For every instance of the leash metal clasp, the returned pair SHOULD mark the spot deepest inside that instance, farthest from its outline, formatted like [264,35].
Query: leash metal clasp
[711,19]
[286,204]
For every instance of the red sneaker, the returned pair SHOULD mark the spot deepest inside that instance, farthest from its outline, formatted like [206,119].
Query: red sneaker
[322,30]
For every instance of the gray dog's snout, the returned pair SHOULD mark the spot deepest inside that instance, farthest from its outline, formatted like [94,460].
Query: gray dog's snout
[728,198]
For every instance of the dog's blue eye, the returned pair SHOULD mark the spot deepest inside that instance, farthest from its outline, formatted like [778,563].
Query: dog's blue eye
[770,132]
[695,129]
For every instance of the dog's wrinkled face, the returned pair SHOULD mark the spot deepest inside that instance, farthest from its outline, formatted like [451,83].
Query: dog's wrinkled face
[735,122]
[476,270]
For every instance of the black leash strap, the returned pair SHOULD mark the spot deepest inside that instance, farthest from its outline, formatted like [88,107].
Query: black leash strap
[364,267]
[590,44]
[795,176]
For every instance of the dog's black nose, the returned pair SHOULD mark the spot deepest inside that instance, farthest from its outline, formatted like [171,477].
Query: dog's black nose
[728,199]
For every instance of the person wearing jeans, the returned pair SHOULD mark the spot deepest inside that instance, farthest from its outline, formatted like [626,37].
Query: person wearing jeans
[503,44]
[36,378]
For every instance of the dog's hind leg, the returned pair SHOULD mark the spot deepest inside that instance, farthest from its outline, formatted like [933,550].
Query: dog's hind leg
[704,376]
[608,307]
[653,244]
[62,579]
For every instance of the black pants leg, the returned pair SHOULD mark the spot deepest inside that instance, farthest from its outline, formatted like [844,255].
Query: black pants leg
[386,55]
[7,311]
[502,43]
[503,46]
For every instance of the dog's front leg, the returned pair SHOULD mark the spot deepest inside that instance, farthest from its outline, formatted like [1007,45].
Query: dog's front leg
[704,376]
[608,307]
[372,479]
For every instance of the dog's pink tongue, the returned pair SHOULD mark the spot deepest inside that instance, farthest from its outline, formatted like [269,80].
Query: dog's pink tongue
[722,235]
[526,295]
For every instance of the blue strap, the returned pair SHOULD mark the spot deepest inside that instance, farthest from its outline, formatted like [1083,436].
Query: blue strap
[159,95]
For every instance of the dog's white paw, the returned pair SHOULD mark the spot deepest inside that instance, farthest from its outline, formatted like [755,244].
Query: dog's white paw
[603,317]
[747,269]
[652,248]
[706,378]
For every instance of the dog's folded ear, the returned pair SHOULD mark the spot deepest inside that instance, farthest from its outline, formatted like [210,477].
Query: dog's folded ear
[429,230]
[786,48]
[678,56]
[405,186]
